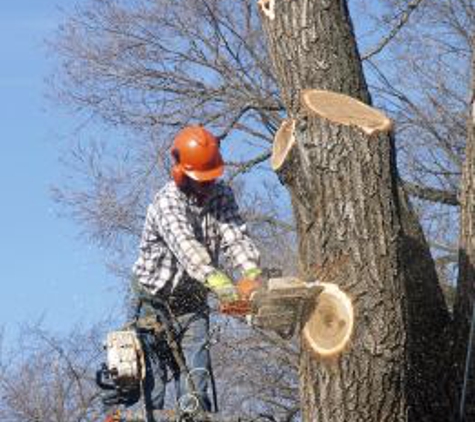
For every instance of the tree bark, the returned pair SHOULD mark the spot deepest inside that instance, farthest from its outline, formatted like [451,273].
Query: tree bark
[466,280]
[346,201]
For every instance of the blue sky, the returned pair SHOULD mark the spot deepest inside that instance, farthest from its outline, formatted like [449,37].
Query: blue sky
[47,271]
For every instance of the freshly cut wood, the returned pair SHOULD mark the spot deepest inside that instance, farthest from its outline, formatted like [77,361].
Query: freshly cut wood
[340,108]
[328,329]
[283,141]
[267,7]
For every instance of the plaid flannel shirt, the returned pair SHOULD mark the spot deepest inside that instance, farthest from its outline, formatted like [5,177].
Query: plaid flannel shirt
[183,240]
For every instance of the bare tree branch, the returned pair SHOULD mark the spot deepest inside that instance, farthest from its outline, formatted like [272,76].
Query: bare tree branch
[431,194]
[405,15]
[249,165]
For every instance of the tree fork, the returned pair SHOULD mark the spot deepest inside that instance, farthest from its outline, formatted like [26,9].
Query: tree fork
[346,200]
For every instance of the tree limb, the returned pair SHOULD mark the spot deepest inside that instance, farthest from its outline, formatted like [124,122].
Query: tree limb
[402,21]
[242,168]
[431,194]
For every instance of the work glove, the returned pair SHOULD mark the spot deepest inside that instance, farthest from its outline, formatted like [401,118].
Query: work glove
[222,285]
[250,282]
[253,273]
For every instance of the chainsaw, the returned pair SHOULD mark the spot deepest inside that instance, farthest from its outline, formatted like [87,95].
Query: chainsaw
[321,310]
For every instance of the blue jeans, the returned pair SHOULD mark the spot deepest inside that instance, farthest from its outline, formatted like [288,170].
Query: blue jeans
[191,331]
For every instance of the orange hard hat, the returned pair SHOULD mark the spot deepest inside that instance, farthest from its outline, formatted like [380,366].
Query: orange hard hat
[197,154]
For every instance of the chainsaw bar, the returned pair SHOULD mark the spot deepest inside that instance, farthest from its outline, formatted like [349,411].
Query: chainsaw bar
[280,303]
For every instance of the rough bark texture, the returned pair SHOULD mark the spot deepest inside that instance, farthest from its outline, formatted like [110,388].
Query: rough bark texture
[466,280]
[346,200]
[427,324]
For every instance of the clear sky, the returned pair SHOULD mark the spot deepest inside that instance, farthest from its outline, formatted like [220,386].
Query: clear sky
[47,271]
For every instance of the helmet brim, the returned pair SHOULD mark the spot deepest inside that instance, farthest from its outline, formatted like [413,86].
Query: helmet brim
[205,176]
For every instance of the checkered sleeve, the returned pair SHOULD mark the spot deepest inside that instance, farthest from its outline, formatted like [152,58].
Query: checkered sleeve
[236,244]
[178,234]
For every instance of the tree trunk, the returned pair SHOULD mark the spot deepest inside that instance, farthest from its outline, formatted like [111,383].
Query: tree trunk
[463,308]
[346,201]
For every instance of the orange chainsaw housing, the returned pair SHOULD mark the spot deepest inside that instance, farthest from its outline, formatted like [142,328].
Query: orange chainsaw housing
[114,417]
[241,307]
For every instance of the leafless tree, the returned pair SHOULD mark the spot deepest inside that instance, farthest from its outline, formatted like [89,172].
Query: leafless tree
[464,319]
[423,80]
[51,378]
[146,68]
[257,373]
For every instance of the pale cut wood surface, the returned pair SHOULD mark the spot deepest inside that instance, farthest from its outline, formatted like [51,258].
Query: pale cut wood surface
[340,108]
[329,327]
[283,141]
[267,8]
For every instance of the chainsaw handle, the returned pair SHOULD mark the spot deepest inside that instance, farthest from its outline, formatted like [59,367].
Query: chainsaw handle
[237,308]
[246,288]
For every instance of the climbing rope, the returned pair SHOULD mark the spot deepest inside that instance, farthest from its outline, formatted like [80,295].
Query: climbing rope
[190,403]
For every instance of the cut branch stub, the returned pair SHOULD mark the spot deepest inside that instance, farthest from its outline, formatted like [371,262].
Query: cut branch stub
[267,7]
[329,326]
[283,141]
[340,108]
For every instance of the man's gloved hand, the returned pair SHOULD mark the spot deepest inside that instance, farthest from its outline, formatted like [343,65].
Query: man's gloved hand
[222,285]
[250,282]
[253,273]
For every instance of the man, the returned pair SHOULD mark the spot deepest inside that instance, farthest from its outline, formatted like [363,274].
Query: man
[191,221]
